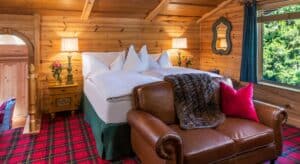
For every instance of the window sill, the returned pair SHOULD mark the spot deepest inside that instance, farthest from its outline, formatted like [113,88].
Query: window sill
[279,86]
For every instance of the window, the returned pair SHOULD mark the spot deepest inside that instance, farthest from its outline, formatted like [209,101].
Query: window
[279,46]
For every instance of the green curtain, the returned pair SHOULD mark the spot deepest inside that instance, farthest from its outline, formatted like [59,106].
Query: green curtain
[249,53]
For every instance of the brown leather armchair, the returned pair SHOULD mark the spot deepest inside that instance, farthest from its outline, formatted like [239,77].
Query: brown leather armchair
[157,138]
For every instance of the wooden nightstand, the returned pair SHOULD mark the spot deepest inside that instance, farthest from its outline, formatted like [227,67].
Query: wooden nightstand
[63,98]
[216,71]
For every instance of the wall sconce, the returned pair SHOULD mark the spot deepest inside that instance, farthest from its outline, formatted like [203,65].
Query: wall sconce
[69,45]
[179,43]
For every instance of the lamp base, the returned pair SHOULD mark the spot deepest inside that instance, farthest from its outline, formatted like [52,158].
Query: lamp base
[70,75]
[179,62]
[70,79]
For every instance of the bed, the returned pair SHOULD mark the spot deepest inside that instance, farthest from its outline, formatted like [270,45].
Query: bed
[162,72]
[107,99]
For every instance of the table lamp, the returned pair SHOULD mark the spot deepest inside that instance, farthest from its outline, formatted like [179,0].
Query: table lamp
[69,45]
[179,43]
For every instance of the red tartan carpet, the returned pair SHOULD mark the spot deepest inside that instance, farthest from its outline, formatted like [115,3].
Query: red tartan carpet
[291,146]
[67,139]
[70,140]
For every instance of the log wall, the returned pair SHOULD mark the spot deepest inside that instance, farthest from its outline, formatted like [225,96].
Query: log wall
[230,65]
[103,34]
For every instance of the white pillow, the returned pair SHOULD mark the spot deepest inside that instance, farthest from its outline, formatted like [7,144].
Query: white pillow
[118,63]
[153,61]
[144,50]
[133,62]
[96,66]
[108,57]
[159,60]
[98,62]
[144,57]
[164,60]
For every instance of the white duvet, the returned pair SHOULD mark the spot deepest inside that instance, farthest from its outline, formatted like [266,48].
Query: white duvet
[162,72]
[115,85]
[120,83]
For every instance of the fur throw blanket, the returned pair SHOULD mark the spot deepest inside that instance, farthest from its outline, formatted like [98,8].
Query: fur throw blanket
[194,101]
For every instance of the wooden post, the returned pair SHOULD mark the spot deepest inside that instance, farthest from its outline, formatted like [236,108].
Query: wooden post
[34,120]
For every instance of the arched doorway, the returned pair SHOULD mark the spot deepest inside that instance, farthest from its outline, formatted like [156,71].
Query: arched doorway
[32,94]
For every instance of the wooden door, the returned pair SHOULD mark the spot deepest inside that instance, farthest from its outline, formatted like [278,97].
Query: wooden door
[13,77]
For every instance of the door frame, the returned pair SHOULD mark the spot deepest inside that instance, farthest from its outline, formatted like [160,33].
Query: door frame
[34,116]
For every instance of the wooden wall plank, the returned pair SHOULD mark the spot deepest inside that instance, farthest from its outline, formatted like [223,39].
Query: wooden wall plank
[230,65]
[102,34]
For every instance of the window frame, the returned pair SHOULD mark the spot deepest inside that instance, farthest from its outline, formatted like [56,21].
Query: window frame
[260,31]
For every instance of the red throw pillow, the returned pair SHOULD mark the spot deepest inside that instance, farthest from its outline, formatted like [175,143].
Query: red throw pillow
[238,103]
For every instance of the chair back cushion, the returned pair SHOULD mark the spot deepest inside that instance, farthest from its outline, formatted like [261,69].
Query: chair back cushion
[156,99]
[8,113]
[2,111]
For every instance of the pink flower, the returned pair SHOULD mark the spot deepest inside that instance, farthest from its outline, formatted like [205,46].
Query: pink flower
[56,64]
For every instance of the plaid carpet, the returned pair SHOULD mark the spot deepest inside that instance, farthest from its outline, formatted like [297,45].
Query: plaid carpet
[291,146]
[65,140]
[70,140]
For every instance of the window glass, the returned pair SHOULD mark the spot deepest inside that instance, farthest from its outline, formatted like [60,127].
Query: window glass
[10,40]
[282,10]
[280,49]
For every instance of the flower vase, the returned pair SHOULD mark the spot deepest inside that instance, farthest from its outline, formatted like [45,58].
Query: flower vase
[57,79]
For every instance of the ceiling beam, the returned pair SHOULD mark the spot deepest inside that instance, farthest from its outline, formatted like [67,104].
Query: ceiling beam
[193,4]
[162,4]
[87,9]
[220,6]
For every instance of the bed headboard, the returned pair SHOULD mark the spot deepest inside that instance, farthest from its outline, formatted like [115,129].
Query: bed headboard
[86,65]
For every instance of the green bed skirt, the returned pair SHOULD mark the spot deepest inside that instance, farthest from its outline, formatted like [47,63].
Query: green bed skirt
[113,140]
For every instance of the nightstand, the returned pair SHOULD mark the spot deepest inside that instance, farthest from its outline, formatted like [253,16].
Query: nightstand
[216,71]
[63,98]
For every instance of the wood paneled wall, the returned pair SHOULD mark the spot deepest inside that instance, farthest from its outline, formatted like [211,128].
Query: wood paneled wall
[14,63]
[103,34]
[230,65]
[21,23]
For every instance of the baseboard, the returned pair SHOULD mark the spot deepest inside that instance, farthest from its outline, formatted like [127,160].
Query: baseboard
[294,122]
[28,130]
[18,122]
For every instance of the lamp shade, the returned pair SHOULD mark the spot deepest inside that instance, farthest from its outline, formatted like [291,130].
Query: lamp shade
[179,43]
[69,44]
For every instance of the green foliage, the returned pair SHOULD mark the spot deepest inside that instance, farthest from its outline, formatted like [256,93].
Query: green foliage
[281,49]
[286,9]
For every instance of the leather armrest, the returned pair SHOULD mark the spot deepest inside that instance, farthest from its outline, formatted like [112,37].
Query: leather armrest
[270,115]
[166,142]
[273,117]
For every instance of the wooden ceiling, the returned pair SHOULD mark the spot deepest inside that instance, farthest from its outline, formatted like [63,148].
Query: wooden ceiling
[163,10]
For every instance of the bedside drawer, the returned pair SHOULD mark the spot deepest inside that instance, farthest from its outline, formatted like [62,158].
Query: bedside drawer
[63,103]
[58,91]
